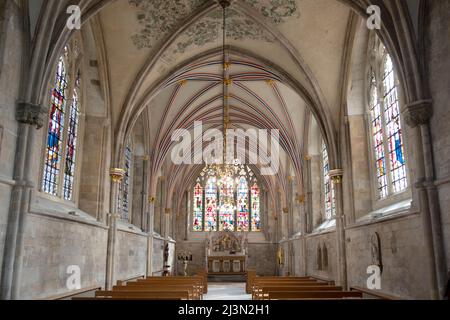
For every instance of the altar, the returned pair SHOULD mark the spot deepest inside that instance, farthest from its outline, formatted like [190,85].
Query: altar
[226,254]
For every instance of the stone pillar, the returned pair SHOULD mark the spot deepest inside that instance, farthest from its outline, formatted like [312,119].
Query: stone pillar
[307,215]
[163,207]
[336,178]
[116,175]
[28,115]
[417,116]
[186,214]
[167,222]
[150,230]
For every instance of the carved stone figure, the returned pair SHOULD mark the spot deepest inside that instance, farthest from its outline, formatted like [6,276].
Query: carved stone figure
[375,244]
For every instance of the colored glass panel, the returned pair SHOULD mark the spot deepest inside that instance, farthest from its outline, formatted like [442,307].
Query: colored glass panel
[198,208]
[55,137]
[227,206]
[255,212]
[242,205]
[211,205]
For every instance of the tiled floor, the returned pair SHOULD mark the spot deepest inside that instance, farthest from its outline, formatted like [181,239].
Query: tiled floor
[226,291]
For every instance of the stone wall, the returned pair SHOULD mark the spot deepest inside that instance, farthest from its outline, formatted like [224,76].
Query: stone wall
[405,271]
[131,255]
[437,47]
[51,245]
[312,244]
[158,256]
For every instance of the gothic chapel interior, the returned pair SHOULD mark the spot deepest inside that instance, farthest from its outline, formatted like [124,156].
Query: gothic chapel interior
[94,110]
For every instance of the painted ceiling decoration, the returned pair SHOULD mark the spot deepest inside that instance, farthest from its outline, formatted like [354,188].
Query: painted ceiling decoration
[159,17]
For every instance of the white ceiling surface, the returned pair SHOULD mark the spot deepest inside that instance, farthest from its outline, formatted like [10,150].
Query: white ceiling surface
[317,35]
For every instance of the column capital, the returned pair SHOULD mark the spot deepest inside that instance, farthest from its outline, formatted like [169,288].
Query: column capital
[307,157]
[418,113]
[168,211]
[285,210]
[32,114]
[336,175]
[151,199]
[117,174]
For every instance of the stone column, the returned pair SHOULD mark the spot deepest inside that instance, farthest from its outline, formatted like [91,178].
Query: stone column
[116,175]
[167,222]
[336,178]
[417,116]
[163,207]
[307,216]
[28,115]
[150,230]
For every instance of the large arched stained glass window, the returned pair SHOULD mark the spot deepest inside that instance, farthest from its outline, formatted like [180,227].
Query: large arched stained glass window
[226,203]
[211,205]
[242,205]
[385,121]
[55,138]
[256,208]
[198,208]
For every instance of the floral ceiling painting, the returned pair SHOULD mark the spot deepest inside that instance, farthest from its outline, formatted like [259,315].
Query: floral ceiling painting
[158,18]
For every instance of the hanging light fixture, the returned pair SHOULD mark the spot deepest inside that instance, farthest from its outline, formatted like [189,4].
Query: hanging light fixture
[224,171]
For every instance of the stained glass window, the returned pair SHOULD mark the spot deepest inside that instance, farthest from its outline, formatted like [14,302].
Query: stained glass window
[71,146]
[125,185]
[329,196]
[211,205]
[198,208]
[393,128]
[227,204]
[60,160]
[386,127]
[55,137]
[242,205]
[256,214]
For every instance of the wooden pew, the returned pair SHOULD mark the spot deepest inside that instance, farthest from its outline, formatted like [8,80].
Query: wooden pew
[260,282]
[145,295]
[193,293]
[251,275]
[202,273]
[317,295]
[197,279]
[264,293]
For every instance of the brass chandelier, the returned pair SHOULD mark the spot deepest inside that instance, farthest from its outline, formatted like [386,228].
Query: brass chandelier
[223,170]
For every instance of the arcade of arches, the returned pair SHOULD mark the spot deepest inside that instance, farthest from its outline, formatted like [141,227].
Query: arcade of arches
[87,120]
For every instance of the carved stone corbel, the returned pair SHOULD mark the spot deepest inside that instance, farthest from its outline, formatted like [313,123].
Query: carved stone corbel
[31,114]
[418,113]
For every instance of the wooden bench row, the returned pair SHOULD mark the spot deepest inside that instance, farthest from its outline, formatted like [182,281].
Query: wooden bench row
[297,288]
[155,288]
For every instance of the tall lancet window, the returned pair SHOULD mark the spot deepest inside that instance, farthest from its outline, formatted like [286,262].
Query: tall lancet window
[385,120]
[329,196]
[125,188]
[60,159]
[256,208]
[211,205]
[72,138]
[198,207]
[242,205]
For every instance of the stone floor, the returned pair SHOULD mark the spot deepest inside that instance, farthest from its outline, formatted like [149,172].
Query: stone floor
[227,291]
